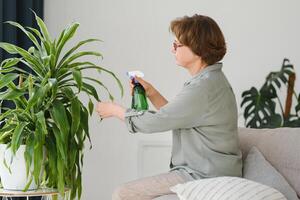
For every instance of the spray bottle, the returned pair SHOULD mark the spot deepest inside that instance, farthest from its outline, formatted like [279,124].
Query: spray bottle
[139,99]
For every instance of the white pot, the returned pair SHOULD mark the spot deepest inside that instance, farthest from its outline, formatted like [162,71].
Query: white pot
[17,179]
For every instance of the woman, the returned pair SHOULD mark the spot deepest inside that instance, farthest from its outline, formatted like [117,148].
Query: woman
[203,116]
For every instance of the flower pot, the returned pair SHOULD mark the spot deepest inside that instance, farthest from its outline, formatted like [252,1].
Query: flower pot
[17,179]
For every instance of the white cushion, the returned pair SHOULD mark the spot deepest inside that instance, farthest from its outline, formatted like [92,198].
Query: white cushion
[280,146]
[167,197]
[258,169]
[225,188]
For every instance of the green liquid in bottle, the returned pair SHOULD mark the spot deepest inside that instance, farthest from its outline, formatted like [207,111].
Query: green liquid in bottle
[139,99]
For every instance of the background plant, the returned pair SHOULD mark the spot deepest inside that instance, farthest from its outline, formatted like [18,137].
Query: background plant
[260,105]
[48,113]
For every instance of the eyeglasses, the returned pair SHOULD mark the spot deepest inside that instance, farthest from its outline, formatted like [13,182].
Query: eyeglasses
[175,45]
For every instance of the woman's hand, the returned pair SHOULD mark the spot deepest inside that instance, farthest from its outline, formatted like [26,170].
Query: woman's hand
[155,97]
[149,89]
[110,109]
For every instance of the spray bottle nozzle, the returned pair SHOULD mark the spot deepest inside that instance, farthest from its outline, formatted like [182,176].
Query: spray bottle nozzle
[132,74]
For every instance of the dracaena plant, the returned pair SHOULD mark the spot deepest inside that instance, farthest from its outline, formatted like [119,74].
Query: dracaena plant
[261,106]
[48,117]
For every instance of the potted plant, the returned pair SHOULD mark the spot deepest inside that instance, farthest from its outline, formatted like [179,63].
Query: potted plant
[49,120]
[260,105]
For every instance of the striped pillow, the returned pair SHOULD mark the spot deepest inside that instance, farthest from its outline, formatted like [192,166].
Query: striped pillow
[225,188]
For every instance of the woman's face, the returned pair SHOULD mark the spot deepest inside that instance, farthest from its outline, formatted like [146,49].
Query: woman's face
[184,55]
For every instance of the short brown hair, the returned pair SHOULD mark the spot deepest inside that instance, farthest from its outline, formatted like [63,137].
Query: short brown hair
[202,35]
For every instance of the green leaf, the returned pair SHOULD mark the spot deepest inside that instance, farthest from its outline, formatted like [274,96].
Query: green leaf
[32,62]
[60,118]
[107,71]
[28,154]
[68,92]
[90,90]
[79,55]
[54,86]
[52,158]
[74,153]
[11,94]
[78,78]
[37,96]
[29,34]
[259,109]
[102,85]
[6,114]
[79,186]
[75,48]
[7,78]
[15,69]
[9,62]
[278,77]
[43,28]
[65,36]
[60,175]
[28,184]
[40,133]
[75,112]
[20,102]
[9,48]
[85,123]
[6,165]
[42,122]
[5,136]
[60,144]
[91,107]
[17,137]
[36,32]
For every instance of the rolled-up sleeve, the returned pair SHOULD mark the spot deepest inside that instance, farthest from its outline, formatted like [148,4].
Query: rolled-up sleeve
[186,110]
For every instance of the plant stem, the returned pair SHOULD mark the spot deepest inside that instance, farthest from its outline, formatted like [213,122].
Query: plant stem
[289,99]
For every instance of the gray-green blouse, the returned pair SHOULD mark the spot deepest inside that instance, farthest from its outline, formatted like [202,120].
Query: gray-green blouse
[203,117]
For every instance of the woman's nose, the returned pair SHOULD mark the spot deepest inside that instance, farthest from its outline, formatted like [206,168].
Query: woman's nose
[173,50]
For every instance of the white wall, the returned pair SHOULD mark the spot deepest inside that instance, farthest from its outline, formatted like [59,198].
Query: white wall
[259,35]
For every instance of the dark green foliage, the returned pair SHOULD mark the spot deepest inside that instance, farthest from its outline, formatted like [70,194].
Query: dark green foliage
[260,105]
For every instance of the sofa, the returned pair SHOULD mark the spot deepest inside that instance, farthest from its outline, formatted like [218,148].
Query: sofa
[280,147]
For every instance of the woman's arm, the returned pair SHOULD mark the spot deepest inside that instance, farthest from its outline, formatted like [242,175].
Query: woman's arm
[157,99]
[188,109]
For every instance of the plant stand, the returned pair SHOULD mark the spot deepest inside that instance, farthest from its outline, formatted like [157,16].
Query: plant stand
[43,194]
